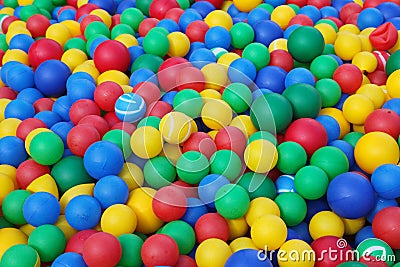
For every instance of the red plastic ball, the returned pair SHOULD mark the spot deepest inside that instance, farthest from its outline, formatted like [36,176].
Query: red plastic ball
[299,3]
[148,91]
[99,123]
[87,20]
[111,55]
[115,20]
[80,137]
[196,31]
[348,9]
[281,58]
[371,3]
[383,120]
[301,19]
[146,25]
[169,203]
[201,142]
[75,243]
[158,8]
[85,10]
[111,118]
[309,133]
[106,94]
[174,14]
[6,23]
[102,250]
[158,109]
[319,3]
[125,126]
[73,3]
[43,104]
[28,125]
[169,70]
[211,225]
[382,57]
[372,261]
[160,250]
[44,49]
[190,77]
[352,19]
[28,171]
[349,77]
[386,226]
[185,261]
[7,92]
[378,77]
[216,3]
[188,189]
[325,244]
[82,108]
[231,138]
[384,37]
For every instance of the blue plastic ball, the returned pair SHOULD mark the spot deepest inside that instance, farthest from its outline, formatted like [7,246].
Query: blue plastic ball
[83,212]
[107,5]
[389,10]
[311,11]
[218,37]
[338,4]
[169,97]
[284,184]
[142,75]
[110,190]
[256,15]
[130,107]
[41,208]
[331,126]
[346,148]
[12,151]
[188,17]
[6,68]
[386,182]
[79,76]
[233,11]
[30,95]
[22,42]
[393,104]
[299,75]
[292,234]
[48,117]
[395,21]
[241,17]
[272,78]
[168,24]
[69,259]
[62,106]
[19,109]
[209,186]
[328,11]
[201,57]
[275,3]
[193,47]
[365,233]
[267,31]
[242,70]
[247,257]
[124,5]
[68,14]
[370,17]
[20,77]
[62,129]
[51,77]
[203,7]
[195,209]
[95,43]
[350,195]
[380,204]
[103,158]
[80,89]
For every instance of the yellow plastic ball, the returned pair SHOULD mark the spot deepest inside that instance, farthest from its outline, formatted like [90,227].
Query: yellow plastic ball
[278,44]
[374,149]
[259,207]
[25,2]
[59,33]
[81,3]
[392,84]
[172,152]
[132,175]
[337,114]
[216,114]
[140,201]
[65,227]
[326,223]
[113,76]
[245,124]
[356,108]
[17,24]
[146,142]
[8,127]
[365,43]
[10,237]
[175,127]
[31,135]
[347,45]
[237,228]
[367,31]
[127,40]
[73,27]
[15,55]
[212,252]
[73,58]
[242,243]
[350,28]
[226,59]
[268,232]
[118,219]
[365,61]
[246,5]
[88,68]
[296,253]
[179,44]
[226,4]
[7,10]
[374,93]
[215,75]
[219,18]
[260,156]
[44,183]
[11,172]
[327,31]
[208,94]
[3,104]
[77,190]
[103,15]
[282,15]
[6,186]
[352,226]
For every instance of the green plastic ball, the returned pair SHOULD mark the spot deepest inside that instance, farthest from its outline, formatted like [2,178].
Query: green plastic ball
[330,159]
[238,96]
[152,121]
[121,29]
[291,157]
[293,208]
[96,27]
[11,3]
[12,206]
[323,66]
[69,172]
[28,11]
[131,245]
[20,255]
[242,34]
[3,42]
[232,201]
[77,43]
[226,163]
[189,102]
[305,99]
[46,148]
[305,43]
[132,17]
[267,7]
[44,4]
[262,135]
[184,4]
[271,112]
[147,61]
[192,166]
[330,92]
[377,248]
[311,182]
[352,138]
[121,138]
[329,49]
[182,233]
[156,43]
[144,6]
[258,54]
[257,185]
[393,63]
[159,172]
[49,242]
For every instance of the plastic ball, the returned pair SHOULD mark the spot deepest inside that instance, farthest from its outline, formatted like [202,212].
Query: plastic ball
[118,219]
[370,17]
[69,259]
[212,252]
[305,43]
[156,38]
[37,25]
[382,180]
[20,77]
[284,184]
[7,186]
[325,242]
[182,233]
[41,208]
[247,256]
[179,44]
[130,107]
[51,77]
[169,203]
[326,223]
[102,249]
[323,67]
[291,157]
[175,127]
[111,55]
[383,120]
[300,247]
[12,151]
[159,172]
[49,242]
[109,195]
[390,84]
[83,212]
[80,137]
[28,171]
[218,18]
[292,206]
[260,156]
[267,31]
[374,149]
[12,206]
[311,182]
[347,45]
[217,120]
[300,95]
[373,92]
[268,231]
[46,148]
[146,142]
[42,50]
[229,195]
[192,166]
[20,255]
[384,226]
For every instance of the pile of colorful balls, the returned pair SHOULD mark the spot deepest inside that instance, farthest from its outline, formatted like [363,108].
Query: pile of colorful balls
[190,133]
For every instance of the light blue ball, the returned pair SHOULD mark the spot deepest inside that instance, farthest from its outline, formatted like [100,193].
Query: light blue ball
[69,259]
[130,107]
[284,184]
